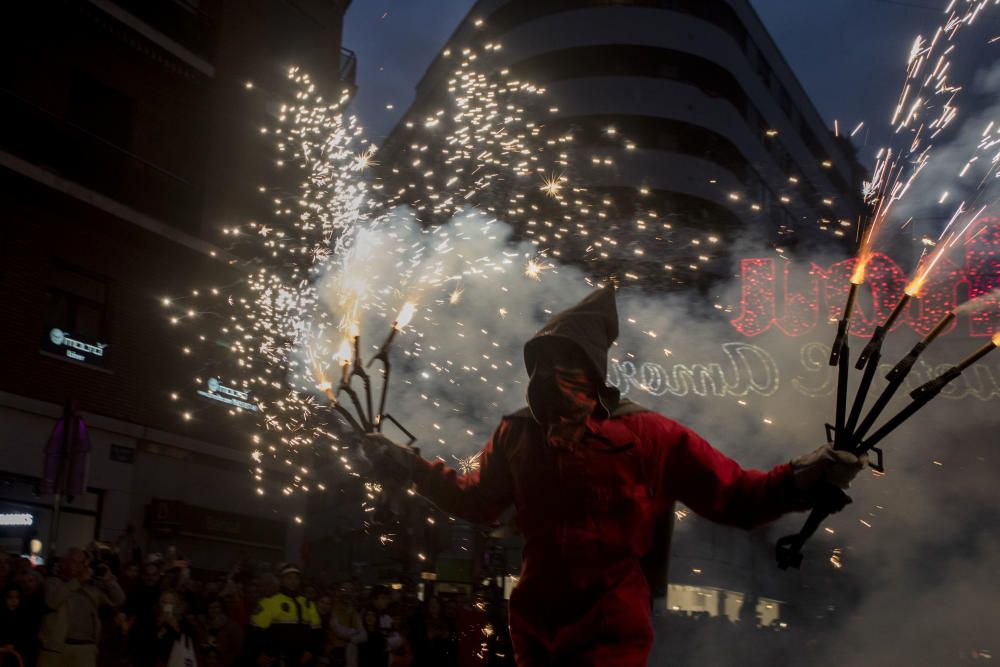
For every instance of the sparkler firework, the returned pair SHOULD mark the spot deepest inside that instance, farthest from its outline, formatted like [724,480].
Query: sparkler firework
[294,325]
[892,179]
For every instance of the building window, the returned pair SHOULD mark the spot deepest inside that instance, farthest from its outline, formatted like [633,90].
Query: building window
[77,302]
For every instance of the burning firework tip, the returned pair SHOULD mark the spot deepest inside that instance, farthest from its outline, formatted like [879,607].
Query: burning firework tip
[344,352]
[987,347]
[344,357]
[405,315]
[858,277]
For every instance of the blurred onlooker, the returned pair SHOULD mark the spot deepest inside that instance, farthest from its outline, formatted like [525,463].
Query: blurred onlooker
[16,627]
[400,651]
[235,603]
[381,599]
[141,609]
[175,572]
[29,584]
[127,547]
[373,650]
[435,640]
[71,628]
[173,632]
[324,609]
[345,626]
[220,635]
[130,578]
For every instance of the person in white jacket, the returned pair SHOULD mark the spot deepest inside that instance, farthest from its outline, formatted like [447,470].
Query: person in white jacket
[71,628]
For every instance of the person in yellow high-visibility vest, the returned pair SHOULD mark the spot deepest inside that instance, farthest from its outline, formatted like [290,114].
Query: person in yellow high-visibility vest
[286,626]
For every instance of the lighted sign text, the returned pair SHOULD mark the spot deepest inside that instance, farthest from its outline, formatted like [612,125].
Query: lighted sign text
[223,394]
[750,369]
[747,369]
[775,298]
[981,381]
[75,347]
[16,519]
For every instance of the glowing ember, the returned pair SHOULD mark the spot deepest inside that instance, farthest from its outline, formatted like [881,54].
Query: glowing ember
[552,185]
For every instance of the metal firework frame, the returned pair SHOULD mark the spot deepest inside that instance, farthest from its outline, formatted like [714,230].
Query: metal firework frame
[845,434]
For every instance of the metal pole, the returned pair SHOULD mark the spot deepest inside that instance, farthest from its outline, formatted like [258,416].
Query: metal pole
[61,480]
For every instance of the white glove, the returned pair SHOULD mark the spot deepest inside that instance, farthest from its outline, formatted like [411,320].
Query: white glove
[827,464]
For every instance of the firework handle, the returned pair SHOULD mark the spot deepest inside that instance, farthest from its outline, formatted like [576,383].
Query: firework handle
[365,423]
[843,366]
[365,378]
[839,343]
[367,381]
[921,396]
[859,399]
[872,349]
[346,414]
[386,371]
[878,337]
[828,499]
[895,378]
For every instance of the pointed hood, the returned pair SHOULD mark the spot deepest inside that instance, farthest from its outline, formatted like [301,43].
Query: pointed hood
[591,326]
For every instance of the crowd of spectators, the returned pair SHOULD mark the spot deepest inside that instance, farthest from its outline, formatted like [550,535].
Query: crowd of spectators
[102,607]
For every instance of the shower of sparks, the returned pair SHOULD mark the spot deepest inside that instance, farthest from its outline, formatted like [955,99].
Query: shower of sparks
[925,107]
[467,464]
[313,291]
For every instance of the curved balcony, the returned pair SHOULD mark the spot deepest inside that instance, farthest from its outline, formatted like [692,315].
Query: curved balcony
[658,28]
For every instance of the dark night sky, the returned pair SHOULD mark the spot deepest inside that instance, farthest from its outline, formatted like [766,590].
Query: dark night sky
[848,54]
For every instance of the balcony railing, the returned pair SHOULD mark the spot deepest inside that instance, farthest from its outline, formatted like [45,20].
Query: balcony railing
[39,136]
[182,22]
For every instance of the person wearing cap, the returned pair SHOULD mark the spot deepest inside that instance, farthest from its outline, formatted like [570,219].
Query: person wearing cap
[285,627]
[594,479]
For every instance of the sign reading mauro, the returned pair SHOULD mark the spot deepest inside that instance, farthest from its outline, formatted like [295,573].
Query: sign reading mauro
[223,394]
[74,347]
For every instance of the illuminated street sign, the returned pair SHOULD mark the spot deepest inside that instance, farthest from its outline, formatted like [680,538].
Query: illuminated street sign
[223,394]
[16,519]
[67,345]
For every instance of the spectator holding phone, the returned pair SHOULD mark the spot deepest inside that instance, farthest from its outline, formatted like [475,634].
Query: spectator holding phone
[74,597]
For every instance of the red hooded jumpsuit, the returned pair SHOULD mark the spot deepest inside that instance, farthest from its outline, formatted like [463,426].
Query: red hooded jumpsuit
[588,512]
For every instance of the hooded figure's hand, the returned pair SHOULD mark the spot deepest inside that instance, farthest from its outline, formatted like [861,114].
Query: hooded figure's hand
[827,464]
[388,459]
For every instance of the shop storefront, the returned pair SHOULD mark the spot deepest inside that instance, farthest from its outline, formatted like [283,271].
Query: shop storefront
[26,516]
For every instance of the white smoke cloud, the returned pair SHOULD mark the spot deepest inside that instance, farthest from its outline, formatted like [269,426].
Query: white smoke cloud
[458,368]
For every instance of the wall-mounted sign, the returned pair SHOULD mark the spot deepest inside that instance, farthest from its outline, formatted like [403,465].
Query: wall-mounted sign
[75,347]
[16,519]
[228,395]
[122,454]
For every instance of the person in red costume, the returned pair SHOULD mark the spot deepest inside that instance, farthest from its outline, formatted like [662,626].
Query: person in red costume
[593,479]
